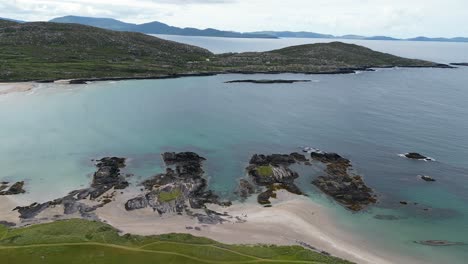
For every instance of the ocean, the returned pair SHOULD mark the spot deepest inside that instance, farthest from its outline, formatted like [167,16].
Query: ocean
[50,136]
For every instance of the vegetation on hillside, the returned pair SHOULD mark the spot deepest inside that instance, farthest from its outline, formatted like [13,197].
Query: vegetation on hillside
[81,241]
[42,51]
[34,51]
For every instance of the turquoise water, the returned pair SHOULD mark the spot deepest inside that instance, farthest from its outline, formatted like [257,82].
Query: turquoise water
[50,136]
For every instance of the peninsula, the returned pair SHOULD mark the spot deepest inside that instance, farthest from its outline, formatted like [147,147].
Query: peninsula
[43,51]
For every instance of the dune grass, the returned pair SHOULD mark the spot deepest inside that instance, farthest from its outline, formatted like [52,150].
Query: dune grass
[81,241]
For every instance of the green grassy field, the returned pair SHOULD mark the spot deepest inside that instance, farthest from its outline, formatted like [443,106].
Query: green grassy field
[81,241]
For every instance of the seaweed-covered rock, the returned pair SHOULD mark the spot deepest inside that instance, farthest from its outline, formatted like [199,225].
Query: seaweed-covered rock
[348,189]
[16,188]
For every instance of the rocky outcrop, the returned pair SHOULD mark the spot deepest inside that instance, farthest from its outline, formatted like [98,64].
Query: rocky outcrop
[267,81]
[16,188]
[427,178]
[346,188]
[107,176]
[272,173]
[417,156]
[459,63]
[182,185]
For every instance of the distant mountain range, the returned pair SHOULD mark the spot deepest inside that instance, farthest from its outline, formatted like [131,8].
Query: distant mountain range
[154,28]
[161,28]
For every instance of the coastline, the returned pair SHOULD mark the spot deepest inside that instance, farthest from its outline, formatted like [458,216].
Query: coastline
[293,220]
[210,73]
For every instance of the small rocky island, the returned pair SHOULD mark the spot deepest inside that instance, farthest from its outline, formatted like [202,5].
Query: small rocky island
[345,187]
[183,184]
[270,173]
[267,81]
[417,156]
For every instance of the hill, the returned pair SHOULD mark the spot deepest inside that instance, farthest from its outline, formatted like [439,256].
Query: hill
[334,57]
[42,50]
[153,28]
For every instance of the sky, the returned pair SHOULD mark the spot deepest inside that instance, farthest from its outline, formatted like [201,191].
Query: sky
[397,18]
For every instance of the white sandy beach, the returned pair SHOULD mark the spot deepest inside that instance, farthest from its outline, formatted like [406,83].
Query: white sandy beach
[292,220]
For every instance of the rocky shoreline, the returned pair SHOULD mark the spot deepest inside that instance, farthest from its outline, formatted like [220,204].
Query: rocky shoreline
[214,73]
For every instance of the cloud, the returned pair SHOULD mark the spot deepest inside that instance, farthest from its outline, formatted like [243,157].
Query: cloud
[400,18]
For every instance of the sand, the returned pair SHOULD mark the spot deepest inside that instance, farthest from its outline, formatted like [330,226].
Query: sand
[6,88]
[293,220]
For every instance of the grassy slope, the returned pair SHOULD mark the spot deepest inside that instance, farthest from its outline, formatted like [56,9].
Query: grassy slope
[39,51]
[51,50]
[80,241]
[319,57]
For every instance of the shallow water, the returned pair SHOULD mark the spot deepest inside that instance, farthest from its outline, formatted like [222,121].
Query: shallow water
[50,135]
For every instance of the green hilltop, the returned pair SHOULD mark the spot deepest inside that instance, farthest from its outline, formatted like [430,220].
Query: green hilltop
[50,51]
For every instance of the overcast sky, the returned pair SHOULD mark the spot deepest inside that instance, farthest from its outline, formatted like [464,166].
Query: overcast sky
[399,18]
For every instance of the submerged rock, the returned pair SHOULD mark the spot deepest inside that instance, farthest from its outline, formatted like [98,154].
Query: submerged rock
[267,81]
[348,189]
[388,217]
[245,189]
[16,188]
[440,243]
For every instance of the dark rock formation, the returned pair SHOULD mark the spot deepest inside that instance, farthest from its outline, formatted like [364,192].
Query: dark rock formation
[427,178]
[349,190]
[182,183]
[277,159]
[267,81]
[460,63]
[416,156]
[273,173]
[104,179]
[440,243]
[136,203]
[16,188]
[108,176]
